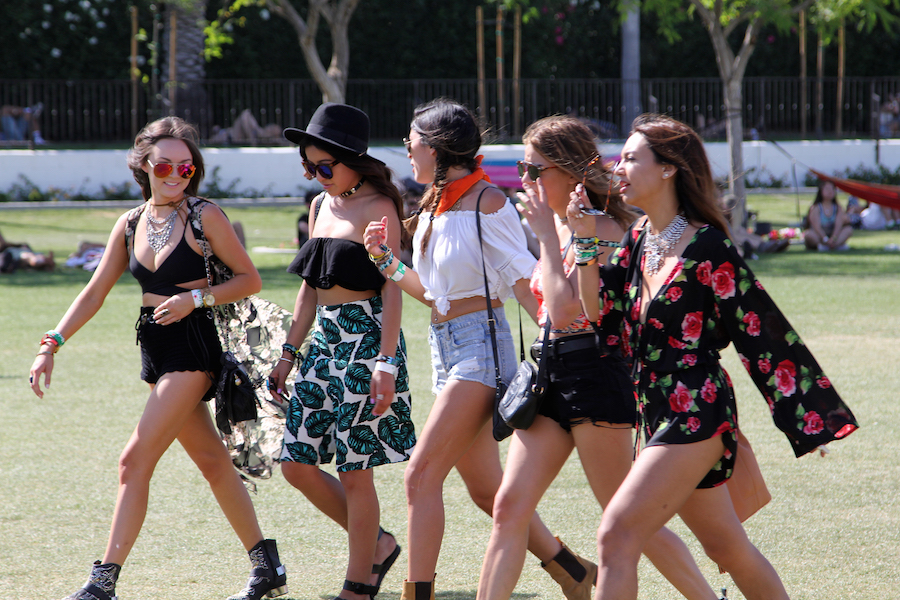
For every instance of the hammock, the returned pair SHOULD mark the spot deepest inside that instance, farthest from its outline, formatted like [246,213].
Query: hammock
[886,195]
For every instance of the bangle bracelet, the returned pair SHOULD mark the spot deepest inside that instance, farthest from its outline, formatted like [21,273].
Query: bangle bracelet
[593,261]
[45,352]
[286,360]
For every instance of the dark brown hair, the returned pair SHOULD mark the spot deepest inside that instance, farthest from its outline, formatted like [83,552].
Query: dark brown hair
[373,170]
[568,143]
[174,128]
[450,129]
[674,143]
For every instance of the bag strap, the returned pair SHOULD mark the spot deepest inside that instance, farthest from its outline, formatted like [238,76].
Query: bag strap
[205,245]
[492,324]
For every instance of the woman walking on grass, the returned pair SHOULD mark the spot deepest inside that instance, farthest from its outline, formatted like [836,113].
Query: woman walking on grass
[589,403]
[351,400]
[159,242]
[679,292]
[448,277]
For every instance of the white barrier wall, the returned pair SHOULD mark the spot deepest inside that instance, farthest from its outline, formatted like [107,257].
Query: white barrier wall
[278,170]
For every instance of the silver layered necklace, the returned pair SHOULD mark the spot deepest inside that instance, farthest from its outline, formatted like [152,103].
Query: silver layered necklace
[159,230]
[657,245]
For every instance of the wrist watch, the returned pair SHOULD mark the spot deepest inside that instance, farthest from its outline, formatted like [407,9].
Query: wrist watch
[208,298]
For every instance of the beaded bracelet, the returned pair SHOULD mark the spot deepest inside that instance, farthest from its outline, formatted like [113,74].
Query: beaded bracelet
[382,265]
[290,348]
[377,258]
[56,336]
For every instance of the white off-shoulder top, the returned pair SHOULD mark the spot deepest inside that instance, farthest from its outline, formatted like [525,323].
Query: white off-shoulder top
[451,268]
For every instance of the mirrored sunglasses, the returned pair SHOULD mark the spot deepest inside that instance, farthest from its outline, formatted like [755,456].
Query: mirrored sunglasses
[163,170]
[325,171]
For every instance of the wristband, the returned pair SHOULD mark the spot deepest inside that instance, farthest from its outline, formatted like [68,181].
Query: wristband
[391,360]
[386,368]
[197,295]
[384,264]
[399,273]
[290,348]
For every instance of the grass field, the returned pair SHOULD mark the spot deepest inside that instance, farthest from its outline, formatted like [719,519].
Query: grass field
[832,529]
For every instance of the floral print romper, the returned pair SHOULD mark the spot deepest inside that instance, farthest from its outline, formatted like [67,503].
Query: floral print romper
[709,300]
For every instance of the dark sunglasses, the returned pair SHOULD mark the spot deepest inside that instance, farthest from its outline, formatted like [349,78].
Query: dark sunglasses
[534,171]
[408,143]
[162,170]
[325,171]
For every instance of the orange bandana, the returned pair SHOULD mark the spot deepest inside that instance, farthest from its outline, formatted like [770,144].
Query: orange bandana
[456,189]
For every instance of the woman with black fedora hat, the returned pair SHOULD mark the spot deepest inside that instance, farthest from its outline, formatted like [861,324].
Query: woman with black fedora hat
[351,400]
[450,275]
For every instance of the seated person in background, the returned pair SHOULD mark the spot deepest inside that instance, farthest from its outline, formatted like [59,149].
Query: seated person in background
[872,218]
[749,244]
[829,228]
[892,217]
[854,212]
[21,123]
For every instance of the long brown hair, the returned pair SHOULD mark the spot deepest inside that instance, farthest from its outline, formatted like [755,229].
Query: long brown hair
[568,143]
[451,130]
[674,143]
[174,128]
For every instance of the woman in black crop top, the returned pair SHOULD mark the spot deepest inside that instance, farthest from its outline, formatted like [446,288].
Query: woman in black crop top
[180,349]
[351,399]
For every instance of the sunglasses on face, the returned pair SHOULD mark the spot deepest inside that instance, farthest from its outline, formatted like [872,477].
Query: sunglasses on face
[534,171]
[408,143]
[326,171]
[163,170]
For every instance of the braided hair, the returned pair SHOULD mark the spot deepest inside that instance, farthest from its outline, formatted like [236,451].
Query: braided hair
[450,129]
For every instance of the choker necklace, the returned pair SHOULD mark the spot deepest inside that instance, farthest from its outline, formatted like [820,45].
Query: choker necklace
[159,230]
[657,245]
[354,189]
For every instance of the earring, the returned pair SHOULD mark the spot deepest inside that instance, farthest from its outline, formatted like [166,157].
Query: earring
[665,175]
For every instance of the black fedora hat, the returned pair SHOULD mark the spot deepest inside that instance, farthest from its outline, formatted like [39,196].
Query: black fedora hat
[339,125]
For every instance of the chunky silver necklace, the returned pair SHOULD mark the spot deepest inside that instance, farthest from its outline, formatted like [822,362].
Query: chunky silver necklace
[657,245]
[159,230]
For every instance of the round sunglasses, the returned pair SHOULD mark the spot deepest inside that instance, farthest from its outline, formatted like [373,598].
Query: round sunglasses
[163,170]
[325,171]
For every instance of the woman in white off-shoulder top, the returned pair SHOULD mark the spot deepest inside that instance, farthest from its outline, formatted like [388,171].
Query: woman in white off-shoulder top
[442,146]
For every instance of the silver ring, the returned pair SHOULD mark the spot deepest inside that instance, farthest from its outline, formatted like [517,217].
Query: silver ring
[379,396]
[164,312]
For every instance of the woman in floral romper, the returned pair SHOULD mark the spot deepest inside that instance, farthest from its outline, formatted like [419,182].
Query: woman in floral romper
[678,292]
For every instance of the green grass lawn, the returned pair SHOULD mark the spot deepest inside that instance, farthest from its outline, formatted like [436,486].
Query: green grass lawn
[832,529]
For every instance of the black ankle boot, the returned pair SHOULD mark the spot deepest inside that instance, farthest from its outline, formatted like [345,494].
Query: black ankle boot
[101,584]
[267,576]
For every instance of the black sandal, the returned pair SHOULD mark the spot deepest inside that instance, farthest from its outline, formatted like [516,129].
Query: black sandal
[382,569]
[359,588]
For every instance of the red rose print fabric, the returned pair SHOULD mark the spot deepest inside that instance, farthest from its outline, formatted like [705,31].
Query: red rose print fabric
[710,300]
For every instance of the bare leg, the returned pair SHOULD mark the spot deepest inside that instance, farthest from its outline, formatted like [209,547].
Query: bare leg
[659,483]
[710,515]
[457,417]
[201,441]
[172,400]
[665,550]
[535,457]
[363,515]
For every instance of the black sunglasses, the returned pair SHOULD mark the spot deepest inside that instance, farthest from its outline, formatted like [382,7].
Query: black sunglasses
[325,171]
[534,171]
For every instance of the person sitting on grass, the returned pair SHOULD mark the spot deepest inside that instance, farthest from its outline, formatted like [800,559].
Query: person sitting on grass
[828,227]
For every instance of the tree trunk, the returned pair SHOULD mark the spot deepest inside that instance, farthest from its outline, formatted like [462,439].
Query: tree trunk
[337,13]
[734,131]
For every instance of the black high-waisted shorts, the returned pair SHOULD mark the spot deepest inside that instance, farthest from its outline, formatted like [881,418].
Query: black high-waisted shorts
[191,344]
[585,385]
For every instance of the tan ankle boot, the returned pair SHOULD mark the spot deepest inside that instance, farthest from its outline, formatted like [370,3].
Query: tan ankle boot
[574,589]
[419,590]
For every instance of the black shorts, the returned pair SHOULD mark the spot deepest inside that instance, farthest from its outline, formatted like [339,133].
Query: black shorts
[191,344]
[585,385]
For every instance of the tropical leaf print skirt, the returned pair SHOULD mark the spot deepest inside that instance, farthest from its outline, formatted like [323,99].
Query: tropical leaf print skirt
[330,416]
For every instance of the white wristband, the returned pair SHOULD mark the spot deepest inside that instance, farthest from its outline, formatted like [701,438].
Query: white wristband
[386,368]
[197,295]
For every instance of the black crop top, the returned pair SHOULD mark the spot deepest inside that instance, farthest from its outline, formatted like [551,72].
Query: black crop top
[183,264]
[327,262]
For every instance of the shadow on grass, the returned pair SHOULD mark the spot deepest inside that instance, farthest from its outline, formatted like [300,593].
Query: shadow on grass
[444,595]
[859,263]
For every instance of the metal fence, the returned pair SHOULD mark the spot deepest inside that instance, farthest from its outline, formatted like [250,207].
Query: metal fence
[778,107]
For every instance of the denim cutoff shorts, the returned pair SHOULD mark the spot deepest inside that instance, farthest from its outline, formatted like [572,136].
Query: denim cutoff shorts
[461,349]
